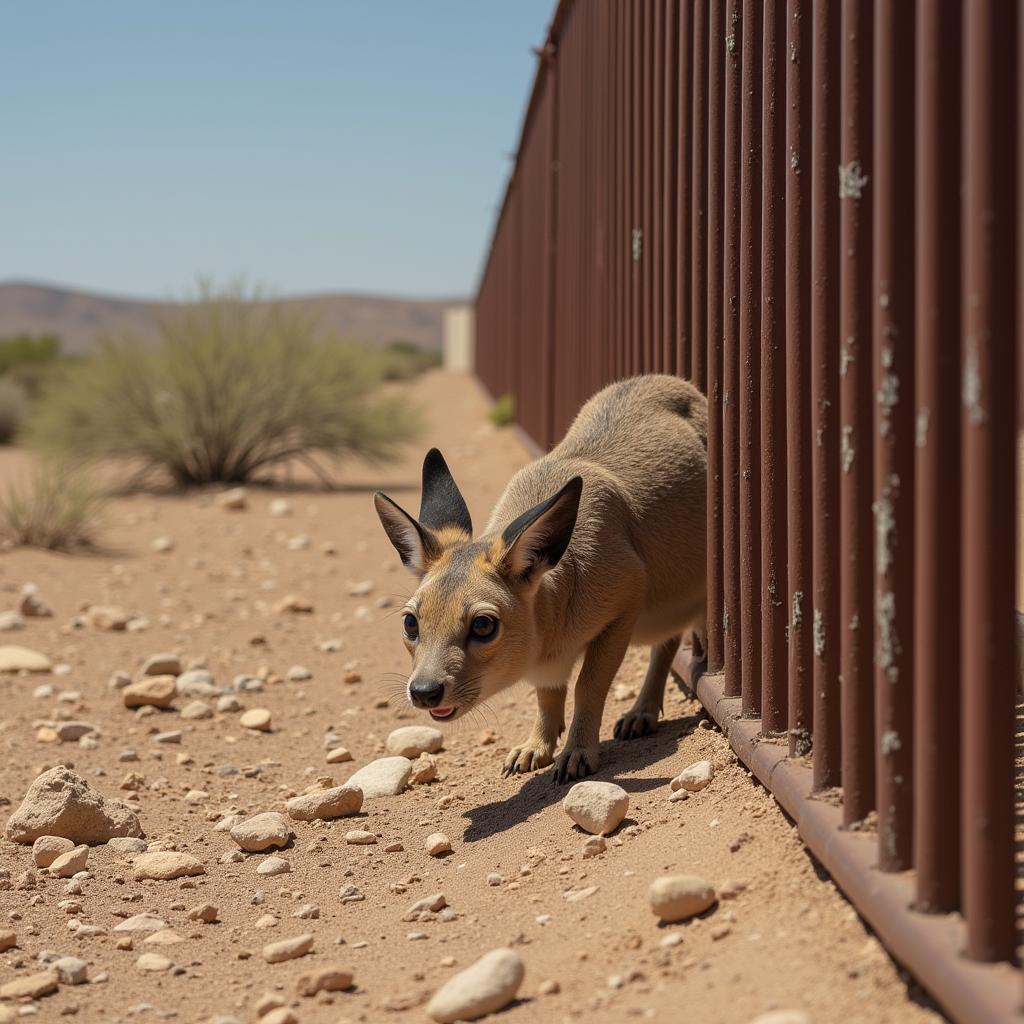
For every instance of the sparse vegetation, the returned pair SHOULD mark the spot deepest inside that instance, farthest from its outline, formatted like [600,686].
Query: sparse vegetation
[13,409]
[229,390]
[54,507]
[503,412]
[402,360]
[28,349]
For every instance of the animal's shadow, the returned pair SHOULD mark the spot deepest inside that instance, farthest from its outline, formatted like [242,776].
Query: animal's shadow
[538,790]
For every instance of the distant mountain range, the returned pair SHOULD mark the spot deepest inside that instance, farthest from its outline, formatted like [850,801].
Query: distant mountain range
[78,317]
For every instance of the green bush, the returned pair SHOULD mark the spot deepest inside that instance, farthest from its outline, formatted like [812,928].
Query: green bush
[13,409]
[55,507]
[25,349]
[503,412]
[229,390]
[402,360]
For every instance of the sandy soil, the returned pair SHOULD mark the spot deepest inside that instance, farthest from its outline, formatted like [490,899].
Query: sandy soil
[787,940]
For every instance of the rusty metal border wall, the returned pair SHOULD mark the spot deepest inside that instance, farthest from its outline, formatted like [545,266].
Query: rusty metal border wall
[813,209]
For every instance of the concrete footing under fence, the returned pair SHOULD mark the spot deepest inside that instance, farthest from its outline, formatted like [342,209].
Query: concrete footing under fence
[928,945]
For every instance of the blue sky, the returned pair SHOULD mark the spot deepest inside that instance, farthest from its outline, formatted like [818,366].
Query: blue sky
[356,145]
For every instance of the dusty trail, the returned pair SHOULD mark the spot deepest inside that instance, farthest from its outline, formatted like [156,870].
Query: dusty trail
[786,938]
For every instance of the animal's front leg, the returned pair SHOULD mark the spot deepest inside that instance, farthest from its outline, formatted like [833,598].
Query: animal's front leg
[538,749]
[603,658]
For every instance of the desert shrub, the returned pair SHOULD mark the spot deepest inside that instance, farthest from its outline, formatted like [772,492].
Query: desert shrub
[503,412]
[54,507]
[402,360]
[13,409]
[229,389]
[28,349]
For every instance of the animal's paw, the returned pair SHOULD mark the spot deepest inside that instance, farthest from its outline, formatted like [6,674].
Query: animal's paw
[636,723]
[574,763]
[528,757]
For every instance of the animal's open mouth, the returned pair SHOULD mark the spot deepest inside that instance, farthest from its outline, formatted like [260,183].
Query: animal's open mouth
[439,714]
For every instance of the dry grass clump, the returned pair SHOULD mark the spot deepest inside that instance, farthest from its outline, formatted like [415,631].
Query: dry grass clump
[229,390]
[53,507]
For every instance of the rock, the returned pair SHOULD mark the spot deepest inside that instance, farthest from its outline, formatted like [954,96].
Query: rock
[424,909]
[165,865]
[280,507]
[23,659]
[128,844]
[10,622]
[234,500]
[61,803]
[274,866]
[154,691]
[196,710]
[360,837]
[487,986]
[228,703]
[46,849]
[678,897]
[337,802]
[141,923]
[70,732]
[783,1017]
[287,949]
[70,970]
[163,545]
[695,778]
[205,912]
[267,831]
[678,796]
[280,1015]
[299,674]
[197,682]
[412,740]
[164,937]
[31,605]
[437,844]
[424,770]
[597,807]
[8,939]
[387,776]
[299,543]
[153,962]
[162,665]
[338,755]
[360,588]
[549,987]
[70,863]
[324,979]
[292,604]
[257,719]
[108,618]
[594,846]
[34,986]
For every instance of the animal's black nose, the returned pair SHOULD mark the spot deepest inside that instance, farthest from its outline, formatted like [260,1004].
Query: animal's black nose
[426,694]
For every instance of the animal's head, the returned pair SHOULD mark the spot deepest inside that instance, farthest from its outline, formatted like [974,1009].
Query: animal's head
[470,625]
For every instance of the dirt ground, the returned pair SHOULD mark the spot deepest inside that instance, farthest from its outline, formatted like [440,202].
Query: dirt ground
[786,940]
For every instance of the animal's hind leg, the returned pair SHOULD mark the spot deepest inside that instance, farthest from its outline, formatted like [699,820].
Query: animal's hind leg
[642,718]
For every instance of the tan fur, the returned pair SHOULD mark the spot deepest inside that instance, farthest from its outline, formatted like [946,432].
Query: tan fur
[633,572]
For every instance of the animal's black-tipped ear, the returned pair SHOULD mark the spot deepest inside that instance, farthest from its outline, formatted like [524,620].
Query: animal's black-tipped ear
[536,541]
[441,503]
[414,543]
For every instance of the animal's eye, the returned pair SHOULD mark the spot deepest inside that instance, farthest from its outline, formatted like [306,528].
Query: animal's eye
[411,627]
[483,627]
